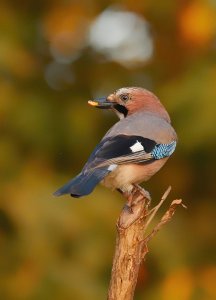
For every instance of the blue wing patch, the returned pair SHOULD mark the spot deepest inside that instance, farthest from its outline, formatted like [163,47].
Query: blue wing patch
[123,149]
[163,150]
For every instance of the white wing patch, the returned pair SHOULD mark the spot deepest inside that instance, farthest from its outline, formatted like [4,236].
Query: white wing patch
[112,167]
[137,147]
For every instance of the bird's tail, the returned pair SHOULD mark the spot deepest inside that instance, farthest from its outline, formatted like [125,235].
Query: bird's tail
[83,184]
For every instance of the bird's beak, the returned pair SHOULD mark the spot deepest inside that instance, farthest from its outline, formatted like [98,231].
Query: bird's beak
[101,103]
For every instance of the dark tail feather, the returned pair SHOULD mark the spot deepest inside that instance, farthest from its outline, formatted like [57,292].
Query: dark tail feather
[82,184]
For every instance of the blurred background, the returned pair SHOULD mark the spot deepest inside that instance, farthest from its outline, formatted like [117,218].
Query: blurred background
[54,56]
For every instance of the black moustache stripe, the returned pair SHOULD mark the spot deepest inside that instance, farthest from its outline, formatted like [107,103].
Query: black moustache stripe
[122,109]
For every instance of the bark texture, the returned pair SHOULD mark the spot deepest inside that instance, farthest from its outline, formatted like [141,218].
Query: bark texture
[132,240]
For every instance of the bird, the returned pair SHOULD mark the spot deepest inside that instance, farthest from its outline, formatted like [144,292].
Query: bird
[133,149]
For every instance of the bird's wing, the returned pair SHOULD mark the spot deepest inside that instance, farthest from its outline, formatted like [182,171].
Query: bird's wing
[122,149]
[109,153]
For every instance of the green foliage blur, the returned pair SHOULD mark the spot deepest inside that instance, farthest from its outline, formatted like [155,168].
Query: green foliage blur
[51,63]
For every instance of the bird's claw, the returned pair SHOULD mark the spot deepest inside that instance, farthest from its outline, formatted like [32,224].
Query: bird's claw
[145,193]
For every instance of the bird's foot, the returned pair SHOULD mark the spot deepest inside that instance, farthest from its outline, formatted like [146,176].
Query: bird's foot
[127,195]
[134,196]
[137,200]
[145,193]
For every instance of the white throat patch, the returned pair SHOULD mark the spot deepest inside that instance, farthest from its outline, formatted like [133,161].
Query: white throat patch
[137,147]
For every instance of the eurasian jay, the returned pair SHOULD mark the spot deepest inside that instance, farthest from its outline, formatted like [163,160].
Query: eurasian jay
[133,150]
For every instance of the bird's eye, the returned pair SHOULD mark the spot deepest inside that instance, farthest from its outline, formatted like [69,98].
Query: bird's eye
[124,97]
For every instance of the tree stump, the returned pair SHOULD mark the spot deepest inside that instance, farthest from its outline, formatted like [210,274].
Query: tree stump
[132,240]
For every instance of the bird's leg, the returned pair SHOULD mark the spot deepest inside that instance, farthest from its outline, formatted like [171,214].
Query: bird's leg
[129,196]
[135,195]
[128,205]
[136,205]
[144,193]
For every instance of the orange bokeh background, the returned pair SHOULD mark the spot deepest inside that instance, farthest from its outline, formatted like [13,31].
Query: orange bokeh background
[56,55]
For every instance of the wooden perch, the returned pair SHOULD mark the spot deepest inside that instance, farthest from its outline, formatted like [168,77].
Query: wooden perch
[131,243]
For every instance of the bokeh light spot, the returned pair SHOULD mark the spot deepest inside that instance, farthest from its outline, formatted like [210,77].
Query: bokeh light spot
[197,24]
[121,36]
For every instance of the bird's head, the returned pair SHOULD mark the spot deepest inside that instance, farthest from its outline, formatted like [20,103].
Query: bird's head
[129,100]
